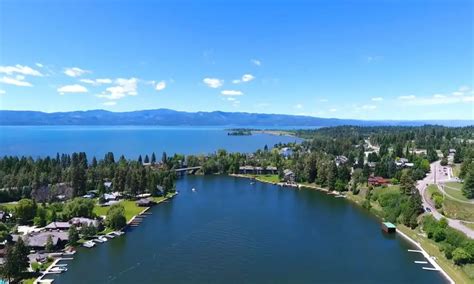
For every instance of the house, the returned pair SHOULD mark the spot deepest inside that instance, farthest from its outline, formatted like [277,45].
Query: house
[38,240]
[286,152]
[288,175]
[108,185]
[341,160]
[452,151]
[109,197]
[271,170]
[81,221]
[145,202]
[403,163]
[377,181]
[63,226]
[246,170]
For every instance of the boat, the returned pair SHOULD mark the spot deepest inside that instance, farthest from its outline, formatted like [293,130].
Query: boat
[193,189]
[103,238]
[58,269]
[88,244]
[98,240]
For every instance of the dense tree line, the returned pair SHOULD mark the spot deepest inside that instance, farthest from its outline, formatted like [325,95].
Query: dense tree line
[22,176]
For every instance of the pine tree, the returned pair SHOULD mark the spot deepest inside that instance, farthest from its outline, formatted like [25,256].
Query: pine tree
[153,158]
[468,186]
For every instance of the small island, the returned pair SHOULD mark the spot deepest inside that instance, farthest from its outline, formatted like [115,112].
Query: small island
[239,132]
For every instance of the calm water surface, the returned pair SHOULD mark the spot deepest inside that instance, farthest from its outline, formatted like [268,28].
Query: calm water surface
[130,141]
[229,231]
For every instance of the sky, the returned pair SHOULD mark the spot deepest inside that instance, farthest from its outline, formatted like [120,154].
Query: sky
[345,59]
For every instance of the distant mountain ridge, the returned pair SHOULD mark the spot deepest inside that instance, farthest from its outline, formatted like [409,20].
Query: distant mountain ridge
[168,117]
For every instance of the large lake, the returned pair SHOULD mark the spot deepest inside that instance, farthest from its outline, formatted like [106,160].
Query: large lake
[130,141]
[230,231]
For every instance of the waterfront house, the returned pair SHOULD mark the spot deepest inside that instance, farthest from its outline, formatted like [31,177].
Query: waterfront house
[378,181]
[271,170]
[145,202]
[289,176]
[81,221]
[246,170]
[38,240]
[63,226]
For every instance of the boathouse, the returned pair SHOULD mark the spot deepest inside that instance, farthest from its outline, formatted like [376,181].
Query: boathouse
[388,227]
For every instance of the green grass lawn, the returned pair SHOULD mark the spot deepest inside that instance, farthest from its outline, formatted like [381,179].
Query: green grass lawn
[131,209]
[9,205]
[458,210]
[265,178]
[432,189]
[456,193]
[455,185]
[456,169]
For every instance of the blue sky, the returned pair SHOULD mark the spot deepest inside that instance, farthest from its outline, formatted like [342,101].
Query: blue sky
[346,59]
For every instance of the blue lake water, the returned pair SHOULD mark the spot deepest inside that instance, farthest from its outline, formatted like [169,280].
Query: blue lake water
[130,141]
[231,231]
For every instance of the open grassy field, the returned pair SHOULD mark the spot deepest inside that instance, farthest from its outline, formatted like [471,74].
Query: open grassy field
[458,210]
[454,185]
[456,193]
[458,274]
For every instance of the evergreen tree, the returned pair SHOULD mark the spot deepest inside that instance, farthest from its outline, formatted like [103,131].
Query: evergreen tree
[73,236]
[153,158]
[468,185]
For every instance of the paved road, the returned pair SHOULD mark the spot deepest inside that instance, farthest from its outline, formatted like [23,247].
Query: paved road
[436,176]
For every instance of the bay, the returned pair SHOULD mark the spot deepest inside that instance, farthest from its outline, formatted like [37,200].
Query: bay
[130,141]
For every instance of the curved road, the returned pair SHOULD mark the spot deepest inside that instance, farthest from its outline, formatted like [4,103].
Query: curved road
[435,176]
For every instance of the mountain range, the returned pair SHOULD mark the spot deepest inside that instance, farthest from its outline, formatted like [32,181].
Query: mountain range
[168,117]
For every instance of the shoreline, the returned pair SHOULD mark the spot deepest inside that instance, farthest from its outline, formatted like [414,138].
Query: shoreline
[405,236]
[427,256]
[40,279]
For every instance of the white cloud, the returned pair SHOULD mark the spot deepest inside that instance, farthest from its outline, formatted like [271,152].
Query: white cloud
[245,78]
[438,96]
[424,101]
[464,89]
[457,94]
[97,82]
[72,89]
[323,100]
[256,62]
[39,65]
[213,82]
[377,99]
[409,97]
[369,107]
[373,58]
[2,92]
[231,93]
[110,103]
[298,106]
[122,88]
[160,86]
[20,69]
[231,99]
[75,71]
[15,81]
[332,110]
